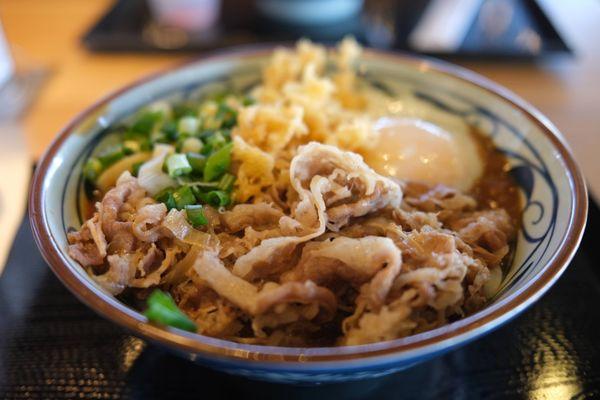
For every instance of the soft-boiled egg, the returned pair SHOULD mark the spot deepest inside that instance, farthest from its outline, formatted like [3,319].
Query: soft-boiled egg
[414,149]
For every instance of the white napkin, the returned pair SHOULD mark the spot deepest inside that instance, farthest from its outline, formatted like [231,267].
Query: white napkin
[15,173]
[20,80]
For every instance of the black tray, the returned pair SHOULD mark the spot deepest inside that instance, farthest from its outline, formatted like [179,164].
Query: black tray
[128,26]
[51,346]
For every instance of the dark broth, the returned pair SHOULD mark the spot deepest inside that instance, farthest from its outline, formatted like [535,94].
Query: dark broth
[496,188]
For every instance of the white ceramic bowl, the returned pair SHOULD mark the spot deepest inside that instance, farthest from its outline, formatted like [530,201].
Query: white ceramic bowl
[553,220]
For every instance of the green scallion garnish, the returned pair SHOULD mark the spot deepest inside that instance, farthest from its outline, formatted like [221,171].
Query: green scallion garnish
[188,125]
[248,101]
[218,163]
[163,310]
[111,156]
[216,198]
[197,161]
[200,133]
[184,197]
[226,182]
[191,145]
[227,115]
[169,131]
[216,141]
[177,165]
[184,110]
[146,122]
[92,169]
[195,214]
[166,197]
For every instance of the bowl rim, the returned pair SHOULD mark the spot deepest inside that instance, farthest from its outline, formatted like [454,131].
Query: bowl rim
[413,346]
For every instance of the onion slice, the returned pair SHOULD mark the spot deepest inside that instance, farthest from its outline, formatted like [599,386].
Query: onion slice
[177,223]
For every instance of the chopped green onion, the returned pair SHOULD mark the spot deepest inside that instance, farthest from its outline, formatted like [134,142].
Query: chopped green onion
[248,101]
[111,156]
[166,196]
[163,310]
[131,146]
[195,215]
[204,135]
[206,150]
[183,110]
[197,161]
[226,182]
[219,96]
[146,122]
[218,163]
[188,125]
[216,198]
[132,135]
[200,184]
[177,165]
[216,140]
[197,192]
[227,115]
[169,131]
[135,168]
[191,145]
[226,133]
[92,169]
[179,144]
[184,197]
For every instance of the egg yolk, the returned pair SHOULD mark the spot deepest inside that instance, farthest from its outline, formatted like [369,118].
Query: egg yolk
[413,149]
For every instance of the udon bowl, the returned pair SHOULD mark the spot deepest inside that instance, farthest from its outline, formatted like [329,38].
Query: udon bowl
[552,188]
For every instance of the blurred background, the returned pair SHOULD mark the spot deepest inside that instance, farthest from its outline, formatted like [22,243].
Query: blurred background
[59,56]
[65,54]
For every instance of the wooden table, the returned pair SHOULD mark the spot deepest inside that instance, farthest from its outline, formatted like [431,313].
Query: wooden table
[49,31]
